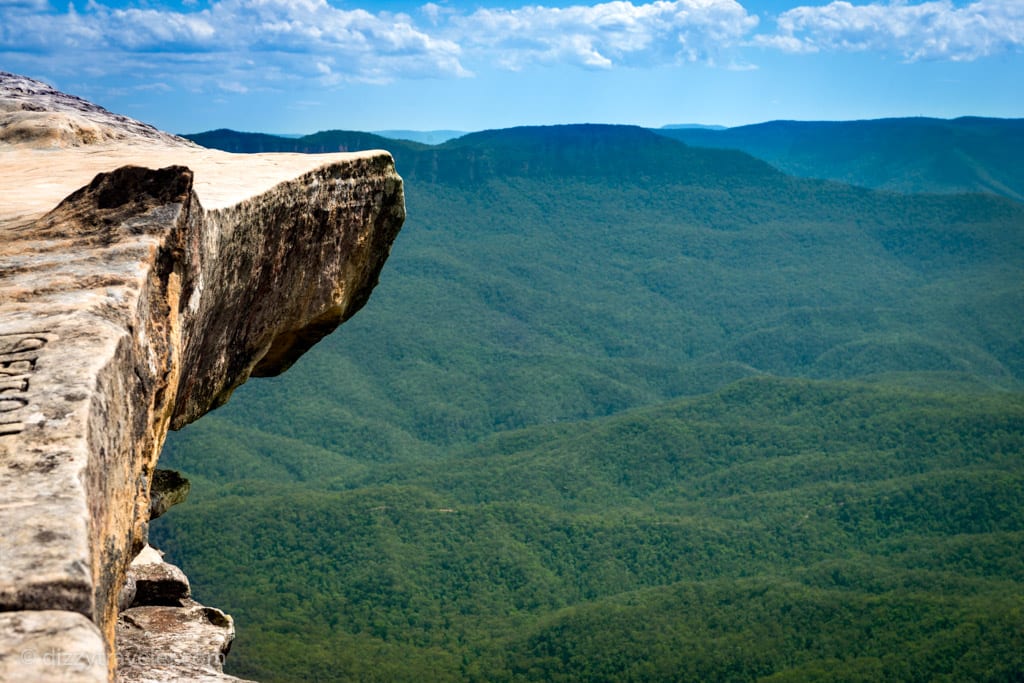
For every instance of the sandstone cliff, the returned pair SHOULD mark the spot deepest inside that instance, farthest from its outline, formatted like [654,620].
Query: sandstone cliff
[142,279]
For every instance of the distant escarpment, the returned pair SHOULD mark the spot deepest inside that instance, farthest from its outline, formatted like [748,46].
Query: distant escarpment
[165,276]
[967,154]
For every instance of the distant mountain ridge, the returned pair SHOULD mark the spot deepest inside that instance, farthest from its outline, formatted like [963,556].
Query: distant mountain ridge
[318,143]
[968,154]
[702,126]
[579,150]
[429,137]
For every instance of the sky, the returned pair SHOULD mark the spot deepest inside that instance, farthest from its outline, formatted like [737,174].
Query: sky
[299,66]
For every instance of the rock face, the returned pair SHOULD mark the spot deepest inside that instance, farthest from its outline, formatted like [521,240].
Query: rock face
[164,635]
[167,489]
[34,113]
[136,305]
[50,646]
[156,582]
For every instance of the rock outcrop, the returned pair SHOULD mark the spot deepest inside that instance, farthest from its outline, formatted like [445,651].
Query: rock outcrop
[167,489]
[34,113]
[165,277]
[164,635]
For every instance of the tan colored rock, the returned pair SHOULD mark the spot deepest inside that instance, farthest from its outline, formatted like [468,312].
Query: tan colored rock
[157,582]
[165,635]
[35,114]
[50,647]
[139,303]
[174,644]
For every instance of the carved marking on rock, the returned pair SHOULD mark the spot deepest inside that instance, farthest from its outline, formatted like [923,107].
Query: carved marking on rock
[19,353]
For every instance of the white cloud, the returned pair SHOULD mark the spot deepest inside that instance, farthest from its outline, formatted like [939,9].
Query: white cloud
[923,30]
[135,29]
[252,42]
[234,42]
[435,13]
[605,34]
[233,86]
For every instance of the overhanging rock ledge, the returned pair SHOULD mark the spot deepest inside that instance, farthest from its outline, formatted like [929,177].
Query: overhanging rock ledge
[135,306]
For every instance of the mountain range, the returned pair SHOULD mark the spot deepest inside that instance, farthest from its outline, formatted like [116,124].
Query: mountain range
[628,408]
[969,154]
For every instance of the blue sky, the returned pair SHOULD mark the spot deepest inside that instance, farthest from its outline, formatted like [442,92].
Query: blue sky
[297,66]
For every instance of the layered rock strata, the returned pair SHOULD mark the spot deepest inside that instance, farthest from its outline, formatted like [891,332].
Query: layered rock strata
[166,277]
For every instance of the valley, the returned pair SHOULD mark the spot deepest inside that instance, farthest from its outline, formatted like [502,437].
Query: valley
[624,408]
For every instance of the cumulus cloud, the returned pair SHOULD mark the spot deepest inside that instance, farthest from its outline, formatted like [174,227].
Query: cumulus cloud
[252,40]
[926,30]
[606,34]
[230,45]
[257,40]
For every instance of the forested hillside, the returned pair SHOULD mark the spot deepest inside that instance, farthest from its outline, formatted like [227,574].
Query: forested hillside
[626,409]
[969,154]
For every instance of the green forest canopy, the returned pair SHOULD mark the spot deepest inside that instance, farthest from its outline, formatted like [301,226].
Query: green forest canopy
[623,409]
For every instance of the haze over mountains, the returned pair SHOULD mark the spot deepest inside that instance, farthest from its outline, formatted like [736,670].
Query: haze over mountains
[627,408]
[970,154]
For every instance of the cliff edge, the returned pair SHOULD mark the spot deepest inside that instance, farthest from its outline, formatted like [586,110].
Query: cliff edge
[142,279]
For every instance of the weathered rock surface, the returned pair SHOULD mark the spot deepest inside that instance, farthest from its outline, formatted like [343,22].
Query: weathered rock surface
[171,644]
[165,635]
[157,582]
[50,646]
[138,304]
[34,113]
